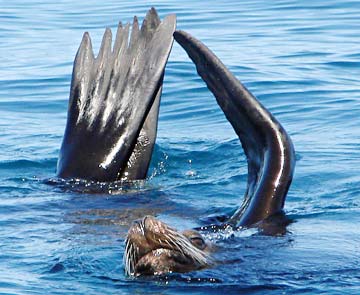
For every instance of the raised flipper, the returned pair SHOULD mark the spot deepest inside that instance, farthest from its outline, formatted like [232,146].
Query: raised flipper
[114,102]
[268,148]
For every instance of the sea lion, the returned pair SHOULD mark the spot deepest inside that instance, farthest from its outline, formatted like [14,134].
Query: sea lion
[111,130]
[152,247]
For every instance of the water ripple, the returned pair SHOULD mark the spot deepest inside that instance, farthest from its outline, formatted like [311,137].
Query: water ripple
[301,59]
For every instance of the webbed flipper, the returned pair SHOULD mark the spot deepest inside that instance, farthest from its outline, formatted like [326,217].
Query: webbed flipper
[114,98]
[267,146]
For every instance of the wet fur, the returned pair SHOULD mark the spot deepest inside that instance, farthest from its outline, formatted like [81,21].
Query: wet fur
[152,247]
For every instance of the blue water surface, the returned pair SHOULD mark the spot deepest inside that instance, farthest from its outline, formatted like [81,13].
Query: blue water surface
[300,58]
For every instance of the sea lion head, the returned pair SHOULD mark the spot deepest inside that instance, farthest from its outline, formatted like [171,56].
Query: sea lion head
[153,248]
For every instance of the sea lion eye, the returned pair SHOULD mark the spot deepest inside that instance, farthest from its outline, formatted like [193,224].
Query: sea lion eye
[198,242]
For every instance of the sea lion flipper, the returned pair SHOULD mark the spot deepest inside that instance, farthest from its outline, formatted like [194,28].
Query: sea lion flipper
[139,161]
[268,148]
[110,100]
[83,62]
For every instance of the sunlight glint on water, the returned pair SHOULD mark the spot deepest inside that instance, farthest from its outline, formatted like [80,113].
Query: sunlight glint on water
[301,59]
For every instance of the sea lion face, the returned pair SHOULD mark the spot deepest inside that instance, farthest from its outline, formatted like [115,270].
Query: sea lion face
[154,248]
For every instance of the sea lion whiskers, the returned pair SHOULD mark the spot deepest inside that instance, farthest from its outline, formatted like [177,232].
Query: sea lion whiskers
[184,246]
[127,260]
[130,258]
[177,240]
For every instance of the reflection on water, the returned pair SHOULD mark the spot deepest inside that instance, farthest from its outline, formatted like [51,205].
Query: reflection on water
[300,59]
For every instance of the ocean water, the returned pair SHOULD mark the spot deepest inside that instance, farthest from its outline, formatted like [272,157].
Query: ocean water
[300,58]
